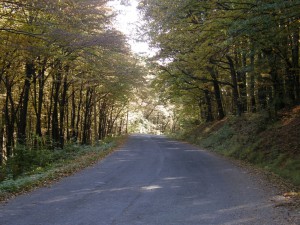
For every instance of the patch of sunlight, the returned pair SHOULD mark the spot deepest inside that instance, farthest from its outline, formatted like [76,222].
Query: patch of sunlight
[174,178]
[151,187]
[57,199]
[195,150]
[120,189]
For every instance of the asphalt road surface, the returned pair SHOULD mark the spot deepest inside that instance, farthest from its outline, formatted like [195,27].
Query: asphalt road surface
[154,181]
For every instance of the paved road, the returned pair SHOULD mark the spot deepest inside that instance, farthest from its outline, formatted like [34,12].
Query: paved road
[152,181]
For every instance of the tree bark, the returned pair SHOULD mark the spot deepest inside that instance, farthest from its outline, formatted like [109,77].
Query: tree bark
[102,119]
[55,124]
[241,79]
[209,116]
[2,125]
[235,93]
[41,82]
[73,114]
[29,73]
[295,62]
[95,135]
[86,135]
[278,92]
[79,109]
[110,122]
[217,92]
[10,118]
[62,107]
[252,86]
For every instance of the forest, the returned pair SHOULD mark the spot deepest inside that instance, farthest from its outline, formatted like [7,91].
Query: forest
[66,76]
[219,58]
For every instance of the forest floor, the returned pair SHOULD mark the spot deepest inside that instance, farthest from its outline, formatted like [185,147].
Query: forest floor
[272,146]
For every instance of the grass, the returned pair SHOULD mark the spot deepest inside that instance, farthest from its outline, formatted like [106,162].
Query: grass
[68,161]
[286,167]
[271,145]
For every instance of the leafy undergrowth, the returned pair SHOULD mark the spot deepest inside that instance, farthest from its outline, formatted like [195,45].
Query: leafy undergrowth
[272,145]
[81,157]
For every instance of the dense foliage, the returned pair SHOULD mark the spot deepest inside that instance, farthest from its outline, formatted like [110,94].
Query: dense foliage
[66,76]
[220,57]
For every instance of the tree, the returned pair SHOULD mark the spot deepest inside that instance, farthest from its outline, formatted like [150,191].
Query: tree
[244,51]
[66,76]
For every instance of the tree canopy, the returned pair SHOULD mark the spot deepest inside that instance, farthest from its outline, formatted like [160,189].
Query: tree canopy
[225,57]
[66,75]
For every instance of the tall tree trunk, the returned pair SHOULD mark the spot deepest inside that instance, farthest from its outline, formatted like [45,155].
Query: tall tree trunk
[241,79]
[110,121]
[278,92]
[73,114]
[262,88]
[295,62]
[120,127]
[62,107]
[102,119]
[79,109]
[127,120]
[252,85]
[262,94]
[10,118]
[202,109]
[289,78]
[55,124]
[209,116]
[95,135]
[217,92]
[86,135]
[67,120]
[49,111]
[29,73]
[2,125]
[41,82]
[235,93]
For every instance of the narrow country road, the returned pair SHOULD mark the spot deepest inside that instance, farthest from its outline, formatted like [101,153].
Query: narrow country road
[151,180]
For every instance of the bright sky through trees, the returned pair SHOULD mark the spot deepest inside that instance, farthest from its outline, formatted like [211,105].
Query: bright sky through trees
[127,21]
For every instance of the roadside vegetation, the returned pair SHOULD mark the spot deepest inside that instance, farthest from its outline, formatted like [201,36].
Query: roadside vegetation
[43,167]
[270,144]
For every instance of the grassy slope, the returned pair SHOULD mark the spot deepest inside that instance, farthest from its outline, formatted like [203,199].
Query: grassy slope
[272,145]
